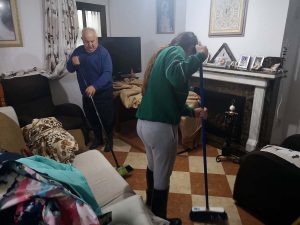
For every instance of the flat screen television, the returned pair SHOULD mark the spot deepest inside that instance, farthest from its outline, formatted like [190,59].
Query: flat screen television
[125,53]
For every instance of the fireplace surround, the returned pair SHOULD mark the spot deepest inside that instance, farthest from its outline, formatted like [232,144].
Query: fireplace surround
[259,92]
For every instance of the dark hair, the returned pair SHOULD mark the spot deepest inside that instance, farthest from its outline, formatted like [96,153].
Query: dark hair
[186,40]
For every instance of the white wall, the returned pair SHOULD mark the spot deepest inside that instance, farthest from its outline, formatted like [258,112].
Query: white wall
[32,53]
[138,18]
[264,29]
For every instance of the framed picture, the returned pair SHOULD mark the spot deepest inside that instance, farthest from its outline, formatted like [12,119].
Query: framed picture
[223,57]
[10,35]
[227,17]
[244,62]
[257,63]
[165,17]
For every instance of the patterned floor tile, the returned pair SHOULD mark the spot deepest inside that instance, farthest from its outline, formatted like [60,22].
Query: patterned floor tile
[137,160]
[121,146]
[179,206]
[187,180]
[180,182]
[217,185]
[230,168]
[181,163]
[137,179]
[231,180]
[196,165]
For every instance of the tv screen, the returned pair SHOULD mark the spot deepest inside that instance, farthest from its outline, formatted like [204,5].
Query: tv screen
[125,53]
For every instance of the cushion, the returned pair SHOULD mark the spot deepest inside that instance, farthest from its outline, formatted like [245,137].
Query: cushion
[105,182]
[11,138]
[47,138]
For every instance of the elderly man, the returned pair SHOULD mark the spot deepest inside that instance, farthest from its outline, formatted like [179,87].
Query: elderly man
[93,66]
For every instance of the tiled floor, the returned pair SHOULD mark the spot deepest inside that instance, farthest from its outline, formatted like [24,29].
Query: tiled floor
[186,188]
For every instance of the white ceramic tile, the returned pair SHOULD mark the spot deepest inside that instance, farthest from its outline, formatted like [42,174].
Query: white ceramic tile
[196,165]
[121,146]
[137,160]
[180,182]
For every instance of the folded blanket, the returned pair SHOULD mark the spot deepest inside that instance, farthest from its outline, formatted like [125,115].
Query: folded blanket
[131,98]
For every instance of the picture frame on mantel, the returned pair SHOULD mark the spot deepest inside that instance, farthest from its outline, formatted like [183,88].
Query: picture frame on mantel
[244,62]
[10,34]
[222,58]
[165,17]
[227,17]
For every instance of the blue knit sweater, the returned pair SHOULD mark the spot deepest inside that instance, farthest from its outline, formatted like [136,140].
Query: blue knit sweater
[95,67]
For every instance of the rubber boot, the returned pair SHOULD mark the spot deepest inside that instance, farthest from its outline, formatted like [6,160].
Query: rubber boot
[150,186]
[159,206]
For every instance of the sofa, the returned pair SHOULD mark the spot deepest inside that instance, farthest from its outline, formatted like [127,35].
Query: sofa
[111,191]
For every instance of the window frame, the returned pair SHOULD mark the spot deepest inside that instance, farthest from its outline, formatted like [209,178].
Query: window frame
[96,8]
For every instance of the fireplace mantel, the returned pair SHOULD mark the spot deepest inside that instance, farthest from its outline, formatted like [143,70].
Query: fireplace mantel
[259,81]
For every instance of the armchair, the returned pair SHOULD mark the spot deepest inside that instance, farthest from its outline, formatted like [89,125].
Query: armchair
[268,185]
[31,98]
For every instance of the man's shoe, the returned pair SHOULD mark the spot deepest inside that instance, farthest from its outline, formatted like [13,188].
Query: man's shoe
[95,144]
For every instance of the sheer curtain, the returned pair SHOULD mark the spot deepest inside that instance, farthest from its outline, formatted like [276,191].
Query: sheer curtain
[61,32]
[93,20]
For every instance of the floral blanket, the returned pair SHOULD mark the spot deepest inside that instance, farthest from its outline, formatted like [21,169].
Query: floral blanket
[46,137]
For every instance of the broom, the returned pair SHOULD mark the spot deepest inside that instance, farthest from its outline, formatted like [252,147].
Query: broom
[122,170]
[206,214]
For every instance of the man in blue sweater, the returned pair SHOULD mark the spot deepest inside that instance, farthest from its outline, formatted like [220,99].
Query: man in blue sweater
[93,66]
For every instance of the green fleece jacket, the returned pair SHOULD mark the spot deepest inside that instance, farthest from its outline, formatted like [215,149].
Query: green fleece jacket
[168,86]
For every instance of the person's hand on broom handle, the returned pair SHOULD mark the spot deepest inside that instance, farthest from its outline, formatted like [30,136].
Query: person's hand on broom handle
[90,90]
[200,112]
[202,49]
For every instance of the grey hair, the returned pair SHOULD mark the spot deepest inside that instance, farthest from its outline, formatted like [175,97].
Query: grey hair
[88,29]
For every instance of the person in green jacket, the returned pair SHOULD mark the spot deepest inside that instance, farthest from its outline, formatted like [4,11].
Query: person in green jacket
[165,90]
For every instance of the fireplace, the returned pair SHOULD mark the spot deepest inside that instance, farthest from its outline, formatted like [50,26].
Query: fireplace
[218,97]
[255,96]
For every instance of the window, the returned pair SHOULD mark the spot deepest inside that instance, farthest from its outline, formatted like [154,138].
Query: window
[91,15]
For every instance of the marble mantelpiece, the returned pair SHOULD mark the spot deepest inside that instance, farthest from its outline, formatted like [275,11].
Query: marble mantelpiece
[259,81]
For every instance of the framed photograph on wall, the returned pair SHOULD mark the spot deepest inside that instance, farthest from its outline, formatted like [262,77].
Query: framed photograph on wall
[227,17]
[244,62]
[165,17]
[257,63]
[10,35]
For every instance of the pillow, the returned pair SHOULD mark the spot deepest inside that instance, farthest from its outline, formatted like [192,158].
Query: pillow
[47,138]
[11,138]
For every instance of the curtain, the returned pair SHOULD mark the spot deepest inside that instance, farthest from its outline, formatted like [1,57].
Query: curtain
[93,20]
[61,33]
